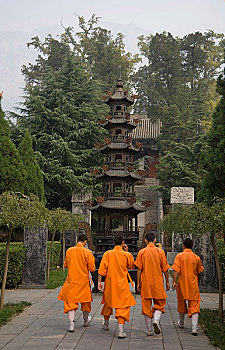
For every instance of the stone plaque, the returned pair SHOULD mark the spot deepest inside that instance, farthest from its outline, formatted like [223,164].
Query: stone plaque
[182,195]
[34,273]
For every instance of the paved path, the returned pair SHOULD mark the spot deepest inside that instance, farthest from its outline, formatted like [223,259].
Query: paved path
[44,326]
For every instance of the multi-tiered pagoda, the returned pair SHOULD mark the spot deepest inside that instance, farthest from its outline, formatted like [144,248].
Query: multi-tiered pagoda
[117,209]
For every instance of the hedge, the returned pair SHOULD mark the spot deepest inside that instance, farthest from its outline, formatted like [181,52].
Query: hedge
[17,259]
[55,259]
[16,262]
[221,254]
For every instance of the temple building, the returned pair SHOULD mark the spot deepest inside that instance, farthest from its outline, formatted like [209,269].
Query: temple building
[117,207]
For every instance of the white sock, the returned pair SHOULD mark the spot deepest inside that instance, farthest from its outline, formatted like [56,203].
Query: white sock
[121,327]
[148,322]
[181,317]
[157,315]
[85,315]
[194,321]
[71,315]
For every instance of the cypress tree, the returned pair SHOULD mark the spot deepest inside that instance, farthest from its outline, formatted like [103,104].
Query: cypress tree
[34,181]
[213,184]
[12,172]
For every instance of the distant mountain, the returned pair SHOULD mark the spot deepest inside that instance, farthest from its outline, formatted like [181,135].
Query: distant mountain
[14,54]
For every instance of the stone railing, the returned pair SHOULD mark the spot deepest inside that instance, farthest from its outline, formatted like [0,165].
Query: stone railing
[117,194]
[111,233]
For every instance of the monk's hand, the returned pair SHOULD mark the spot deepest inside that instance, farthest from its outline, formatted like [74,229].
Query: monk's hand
[139,288]
[125,248]
[167,286]
[100,287]
[174,286]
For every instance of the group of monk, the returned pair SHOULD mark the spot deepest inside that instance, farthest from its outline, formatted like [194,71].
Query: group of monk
[151,264]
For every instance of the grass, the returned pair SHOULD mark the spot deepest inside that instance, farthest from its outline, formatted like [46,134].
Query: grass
[214,327]
[11,310]
[56,278]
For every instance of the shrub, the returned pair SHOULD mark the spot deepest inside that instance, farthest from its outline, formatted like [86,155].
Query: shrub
[16,263]
[221,254]
[55,259]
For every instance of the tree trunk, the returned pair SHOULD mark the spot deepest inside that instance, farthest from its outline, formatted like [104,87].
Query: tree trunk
[49,255]
[219,276]
[6,268]
[63,248]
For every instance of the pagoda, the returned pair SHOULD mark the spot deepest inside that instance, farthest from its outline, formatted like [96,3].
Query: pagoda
[117,208]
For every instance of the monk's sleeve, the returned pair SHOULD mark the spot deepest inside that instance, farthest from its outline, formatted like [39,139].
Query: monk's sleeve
[138,261]
[103,268]
[176,264]
[165,265]
[200,267]
[130,262]
[91,262]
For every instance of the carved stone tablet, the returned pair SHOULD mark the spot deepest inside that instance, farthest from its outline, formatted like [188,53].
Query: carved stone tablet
[182,195]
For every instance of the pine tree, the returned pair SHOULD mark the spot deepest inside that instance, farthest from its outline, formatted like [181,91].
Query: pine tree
[12,172]
[34,179]
[213,184]
[61,111]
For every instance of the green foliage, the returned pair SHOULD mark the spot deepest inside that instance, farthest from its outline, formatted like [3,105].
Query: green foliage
[12,172]
[221,254]
[62,220]
[196,220]
[177,85]
[62,113]
[17,210]
[57,278]
[11,310]
[213,184]
[34,179]
[214,327]
[16,263]
[55,259]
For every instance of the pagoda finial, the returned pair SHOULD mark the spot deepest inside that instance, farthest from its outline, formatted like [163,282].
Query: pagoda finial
[119,81]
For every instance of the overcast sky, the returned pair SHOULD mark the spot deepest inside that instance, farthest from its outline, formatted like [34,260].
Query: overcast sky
[180,17]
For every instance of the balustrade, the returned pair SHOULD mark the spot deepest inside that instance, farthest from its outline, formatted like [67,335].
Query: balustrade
[117,194]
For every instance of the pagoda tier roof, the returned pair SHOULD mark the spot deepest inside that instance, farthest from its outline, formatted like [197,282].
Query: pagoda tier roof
[117,146]
[113,205]
[119,173]
[117,121]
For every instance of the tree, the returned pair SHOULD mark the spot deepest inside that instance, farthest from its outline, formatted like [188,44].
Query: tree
[199,219]
[213,184]
[62,112]
[12,172]
[60,220]
[177,85]
[34,180]
[17,210]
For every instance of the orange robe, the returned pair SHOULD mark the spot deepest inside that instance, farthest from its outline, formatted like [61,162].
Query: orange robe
[188,265]
[152,262]
[76,288]
[117,294]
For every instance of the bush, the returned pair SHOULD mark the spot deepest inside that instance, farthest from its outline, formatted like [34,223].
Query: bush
[55,259]
[221,254]
[16,263]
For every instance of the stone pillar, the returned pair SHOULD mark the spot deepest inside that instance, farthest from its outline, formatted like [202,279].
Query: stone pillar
[34,272]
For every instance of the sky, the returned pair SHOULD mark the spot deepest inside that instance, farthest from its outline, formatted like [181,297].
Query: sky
[180,17]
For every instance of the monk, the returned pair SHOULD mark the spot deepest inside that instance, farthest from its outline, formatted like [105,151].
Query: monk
[116,291]
[151,263]
[76,289]
[189,267]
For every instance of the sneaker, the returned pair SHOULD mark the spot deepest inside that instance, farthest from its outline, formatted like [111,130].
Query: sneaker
[105,325]
[87,321]
[156,327]
[194,331]
[149,333]
[181,325]
[122,335]
[71,327]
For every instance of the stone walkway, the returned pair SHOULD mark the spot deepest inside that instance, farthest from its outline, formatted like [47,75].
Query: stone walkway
[44,326]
